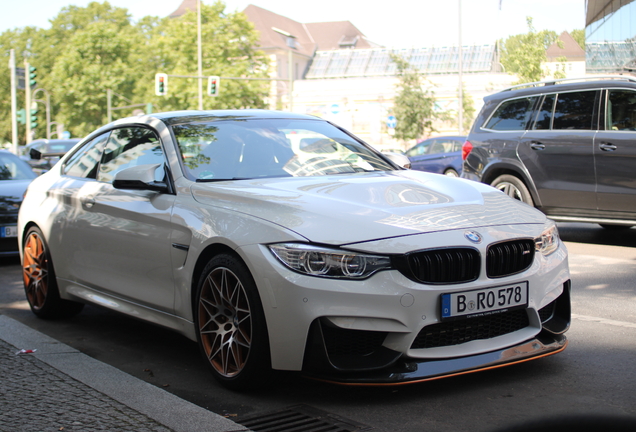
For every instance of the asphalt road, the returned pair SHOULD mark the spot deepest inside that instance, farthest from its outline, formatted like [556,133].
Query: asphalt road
[594,376]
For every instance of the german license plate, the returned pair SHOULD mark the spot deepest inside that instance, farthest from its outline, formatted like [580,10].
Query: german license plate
[9,231]
[482,302]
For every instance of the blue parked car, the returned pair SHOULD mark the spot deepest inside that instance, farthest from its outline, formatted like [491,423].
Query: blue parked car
[442,155]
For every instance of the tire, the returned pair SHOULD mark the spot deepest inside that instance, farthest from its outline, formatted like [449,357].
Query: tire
[615,227]
[230,324]
[513,187]
[451,173]
[39,280]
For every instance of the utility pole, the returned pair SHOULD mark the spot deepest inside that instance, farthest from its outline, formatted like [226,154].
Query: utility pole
[460,101]
[14,104]
[27,92]
[199,55]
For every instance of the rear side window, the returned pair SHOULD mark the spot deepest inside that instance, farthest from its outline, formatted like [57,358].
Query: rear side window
[621,110]
[511,115]
[574,110]
[544,116]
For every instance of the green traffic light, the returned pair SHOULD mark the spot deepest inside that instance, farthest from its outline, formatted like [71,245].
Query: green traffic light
[32,76]
[21,116]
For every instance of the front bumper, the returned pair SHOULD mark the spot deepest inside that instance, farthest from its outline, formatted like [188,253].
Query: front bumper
[411,371]
[382,366]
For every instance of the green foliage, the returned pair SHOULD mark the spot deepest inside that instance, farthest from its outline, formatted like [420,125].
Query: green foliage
[468,105]
[523,54]
[91,49]
[414,106]
[579,36]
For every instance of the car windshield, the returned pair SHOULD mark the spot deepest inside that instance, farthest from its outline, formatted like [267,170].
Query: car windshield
[246,149]
[12,168]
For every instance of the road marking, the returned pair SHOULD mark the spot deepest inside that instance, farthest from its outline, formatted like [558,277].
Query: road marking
[604,321]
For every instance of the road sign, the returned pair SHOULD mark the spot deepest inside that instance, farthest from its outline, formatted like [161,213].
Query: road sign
[391,121]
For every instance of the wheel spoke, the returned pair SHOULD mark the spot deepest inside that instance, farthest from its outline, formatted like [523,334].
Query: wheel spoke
[225,325]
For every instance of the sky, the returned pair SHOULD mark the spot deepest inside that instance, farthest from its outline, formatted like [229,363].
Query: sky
[391,23]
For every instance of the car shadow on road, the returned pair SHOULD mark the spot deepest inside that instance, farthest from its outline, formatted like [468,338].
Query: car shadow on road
[595,234]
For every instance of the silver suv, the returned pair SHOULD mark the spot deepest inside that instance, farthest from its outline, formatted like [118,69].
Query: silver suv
[567,147]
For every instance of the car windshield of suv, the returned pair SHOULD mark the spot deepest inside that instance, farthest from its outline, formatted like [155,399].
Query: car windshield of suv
[246,149]
[12,168]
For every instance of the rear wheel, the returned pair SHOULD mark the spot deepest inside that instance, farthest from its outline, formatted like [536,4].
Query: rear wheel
[39,280]
[451,173]
[230,324]
[513,187]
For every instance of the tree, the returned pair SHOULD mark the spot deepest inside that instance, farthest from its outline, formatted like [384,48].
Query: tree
[91,49]
[414,106]
[227,47]
[468,105]
[523,54]
[579,36]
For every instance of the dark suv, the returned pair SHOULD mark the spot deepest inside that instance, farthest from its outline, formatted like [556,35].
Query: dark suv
[567,147]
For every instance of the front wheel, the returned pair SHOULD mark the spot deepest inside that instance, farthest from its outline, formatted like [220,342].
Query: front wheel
[513,187]
[39,280]
[230,324]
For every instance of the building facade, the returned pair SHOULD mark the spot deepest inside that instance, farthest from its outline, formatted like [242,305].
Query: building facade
[610,36]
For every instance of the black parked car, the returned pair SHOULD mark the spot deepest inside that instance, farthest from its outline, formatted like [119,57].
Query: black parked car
[15,177]
[567,147]
[42,154]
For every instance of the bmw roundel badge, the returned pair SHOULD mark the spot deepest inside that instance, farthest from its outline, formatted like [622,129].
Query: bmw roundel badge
[473,236]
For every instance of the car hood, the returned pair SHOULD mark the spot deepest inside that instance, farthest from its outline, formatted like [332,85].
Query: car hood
[341,209]
[12,193]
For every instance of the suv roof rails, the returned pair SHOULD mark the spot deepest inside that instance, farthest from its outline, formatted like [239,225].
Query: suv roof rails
[562,80]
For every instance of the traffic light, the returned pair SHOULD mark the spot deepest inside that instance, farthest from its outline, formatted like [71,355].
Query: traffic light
[161,84]
[21,116]
[34,118]
[32,76]
[213,85]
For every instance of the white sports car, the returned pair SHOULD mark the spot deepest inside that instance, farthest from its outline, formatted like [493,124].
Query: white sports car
[281,241]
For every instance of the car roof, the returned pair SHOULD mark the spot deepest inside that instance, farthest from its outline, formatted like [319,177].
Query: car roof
[553,86]
[179,117]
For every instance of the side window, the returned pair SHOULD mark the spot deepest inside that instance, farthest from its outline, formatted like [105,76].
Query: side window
[544,116]
[438,147]
[84,162]
[574,110]
[418,150]
[511,115]
[128,147]
[621,110]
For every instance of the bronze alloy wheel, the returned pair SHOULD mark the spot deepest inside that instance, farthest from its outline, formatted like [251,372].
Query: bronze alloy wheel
[225,322]
[35,270]
[40,284]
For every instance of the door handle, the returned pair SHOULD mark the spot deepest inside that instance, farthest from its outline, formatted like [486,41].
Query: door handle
[534,145]
[607,146]
[87,201]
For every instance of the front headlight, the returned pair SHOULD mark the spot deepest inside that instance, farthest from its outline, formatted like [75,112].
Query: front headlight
[548,242]
[330,263]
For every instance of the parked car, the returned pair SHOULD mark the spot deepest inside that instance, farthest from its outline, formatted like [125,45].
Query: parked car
[42,154]
[15,176]
[442,155]
[567,147]
[320,256]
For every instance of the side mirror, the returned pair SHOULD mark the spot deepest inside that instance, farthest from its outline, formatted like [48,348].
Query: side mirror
[399,159]
[141,177]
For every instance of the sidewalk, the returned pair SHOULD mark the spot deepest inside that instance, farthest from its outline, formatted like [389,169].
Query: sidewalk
[57,388]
